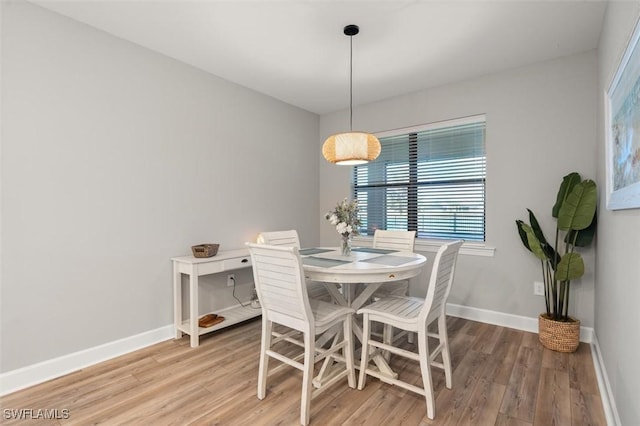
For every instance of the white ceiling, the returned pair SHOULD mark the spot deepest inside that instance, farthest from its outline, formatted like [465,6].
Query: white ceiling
[296,51]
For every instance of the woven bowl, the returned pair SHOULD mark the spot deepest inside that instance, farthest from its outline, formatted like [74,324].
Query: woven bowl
[205,250]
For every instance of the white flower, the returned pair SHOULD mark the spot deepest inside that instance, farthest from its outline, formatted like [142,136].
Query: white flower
[345,217]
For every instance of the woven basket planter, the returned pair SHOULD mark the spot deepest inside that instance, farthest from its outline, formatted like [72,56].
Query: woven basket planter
[559,336]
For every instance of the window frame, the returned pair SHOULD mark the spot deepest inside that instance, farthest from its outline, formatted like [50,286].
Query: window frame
[475,247]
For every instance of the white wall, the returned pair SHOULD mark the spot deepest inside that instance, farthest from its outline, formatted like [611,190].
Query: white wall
[540,126]
[116,158]
[617,317]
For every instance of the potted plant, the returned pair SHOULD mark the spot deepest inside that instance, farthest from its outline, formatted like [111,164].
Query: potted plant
[575,211]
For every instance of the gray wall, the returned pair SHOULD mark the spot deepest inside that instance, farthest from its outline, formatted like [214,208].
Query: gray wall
[540,126]
[618,266]
[114,160]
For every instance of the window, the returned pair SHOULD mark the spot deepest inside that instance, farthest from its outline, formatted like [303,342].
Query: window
[430,179]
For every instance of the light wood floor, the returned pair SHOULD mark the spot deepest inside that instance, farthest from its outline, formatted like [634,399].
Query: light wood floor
[501,376]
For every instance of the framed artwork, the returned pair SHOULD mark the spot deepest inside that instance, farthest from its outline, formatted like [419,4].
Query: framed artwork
[623,130]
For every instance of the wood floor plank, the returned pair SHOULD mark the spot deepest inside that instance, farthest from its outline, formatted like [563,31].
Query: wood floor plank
[531,340]
[556,360]
[580,366]
[451,403]
[486,397]
[506,351]
[520,398]
[374,408]
[500,377]
[340,408]
[410,410]
[586,409]
[504,420]
[487,339]
[554,401]
[484,406]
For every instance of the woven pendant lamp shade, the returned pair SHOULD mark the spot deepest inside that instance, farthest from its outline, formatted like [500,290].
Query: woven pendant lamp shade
[351,148]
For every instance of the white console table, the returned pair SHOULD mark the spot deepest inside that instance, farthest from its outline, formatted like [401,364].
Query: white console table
[195,267]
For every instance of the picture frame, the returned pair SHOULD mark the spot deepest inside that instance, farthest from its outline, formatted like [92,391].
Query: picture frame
[622,130]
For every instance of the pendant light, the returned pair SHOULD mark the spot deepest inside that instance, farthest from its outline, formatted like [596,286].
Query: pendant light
[351,148]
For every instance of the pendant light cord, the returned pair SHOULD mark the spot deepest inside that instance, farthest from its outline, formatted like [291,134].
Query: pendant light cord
[351,84]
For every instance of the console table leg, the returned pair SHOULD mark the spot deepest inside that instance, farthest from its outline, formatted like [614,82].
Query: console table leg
[193,308]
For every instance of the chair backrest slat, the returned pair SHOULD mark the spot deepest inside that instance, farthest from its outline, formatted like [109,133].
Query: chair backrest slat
[280,238]
[441,279]
[394,240]
[279,281]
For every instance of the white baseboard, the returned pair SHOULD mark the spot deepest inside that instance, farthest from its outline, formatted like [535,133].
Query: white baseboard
[506,320]
[606,393]
[21,378]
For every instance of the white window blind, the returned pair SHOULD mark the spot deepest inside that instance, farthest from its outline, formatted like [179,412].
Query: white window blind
[429,179]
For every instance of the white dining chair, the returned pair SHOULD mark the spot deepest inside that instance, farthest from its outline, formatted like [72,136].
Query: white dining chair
[414,314]
[394,240]
[290,238]
[280,284]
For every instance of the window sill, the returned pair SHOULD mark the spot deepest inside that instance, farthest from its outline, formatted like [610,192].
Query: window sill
[471,248]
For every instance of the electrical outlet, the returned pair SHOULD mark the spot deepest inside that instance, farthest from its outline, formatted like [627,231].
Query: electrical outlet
[231,280]
[538,288]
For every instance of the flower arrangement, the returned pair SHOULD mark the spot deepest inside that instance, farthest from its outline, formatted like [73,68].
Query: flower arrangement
[345,218]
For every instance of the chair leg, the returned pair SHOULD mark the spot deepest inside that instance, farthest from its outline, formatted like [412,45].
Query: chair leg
[425,369]
[446,355]
[307,377]
[364,357]
[347,352]
[387,339]
[329,360]
[264,358]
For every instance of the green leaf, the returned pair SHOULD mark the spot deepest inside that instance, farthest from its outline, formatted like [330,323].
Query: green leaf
[570,267]
[534,244]
[535,226]
[568,182]
[523,234]
[585,236]
[548,250]
[551,253]
[578,209]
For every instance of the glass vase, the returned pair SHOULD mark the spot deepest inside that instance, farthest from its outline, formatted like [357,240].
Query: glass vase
[345,245]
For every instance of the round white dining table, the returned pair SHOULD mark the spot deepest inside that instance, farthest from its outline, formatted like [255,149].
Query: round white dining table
[369,266]
[360,274]
[363,265]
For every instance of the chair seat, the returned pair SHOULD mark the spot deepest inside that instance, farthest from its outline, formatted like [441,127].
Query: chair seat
[326,313]
[317,290]
[399,311]
[395,288]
